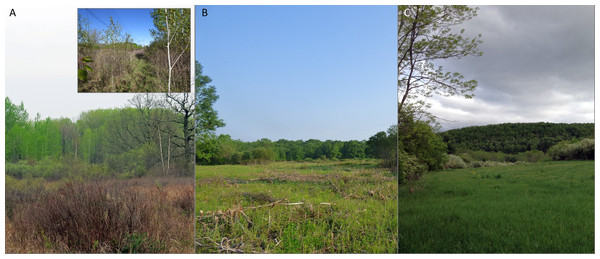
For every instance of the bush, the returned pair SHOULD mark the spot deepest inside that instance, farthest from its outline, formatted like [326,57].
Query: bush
[133,216]
[483,156]
[455,162]
[18,170]
[571,151]
[419,139]
[533,156]
[466,158]
[510,158]
[493,164]
[137,162]
[410,167]
[50,169]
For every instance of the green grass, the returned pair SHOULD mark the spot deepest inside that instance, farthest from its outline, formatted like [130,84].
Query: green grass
[530,208]
[346,207]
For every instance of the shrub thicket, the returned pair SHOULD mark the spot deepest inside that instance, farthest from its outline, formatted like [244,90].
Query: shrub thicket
[115,216]
[410,168]
[455,162]
[565,150]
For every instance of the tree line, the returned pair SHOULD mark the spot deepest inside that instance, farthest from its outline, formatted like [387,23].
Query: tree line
[152,136]
[513,138]
[213,149]
[222,149]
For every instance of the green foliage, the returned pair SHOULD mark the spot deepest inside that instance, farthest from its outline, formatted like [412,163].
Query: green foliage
[353,149]
[455,162]
[207,118]
[222,149]
[14,115]
[513,138]
[87,38]
[17,170]
[172,25]
[124,141]
[424,36]
[82,73]
[410,167]
[418,138]
[172,28]
[121,65]
[566,150]
[533,156]
[112,33]
[136,162]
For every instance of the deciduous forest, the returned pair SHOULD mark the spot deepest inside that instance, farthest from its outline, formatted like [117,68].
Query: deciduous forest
[225,150]
[513,138]
[113,181]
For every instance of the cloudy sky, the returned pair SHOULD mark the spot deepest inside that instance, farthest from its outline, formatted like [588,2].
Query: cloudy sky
[538,65]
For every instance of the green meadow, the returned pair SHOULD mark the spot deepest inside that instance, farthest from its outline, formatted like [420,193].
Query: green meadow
[347,206]
[545,207]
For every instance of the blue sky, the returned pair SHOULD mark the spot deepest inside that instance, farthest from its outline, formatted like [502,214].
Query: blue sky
[136,22]
[300,72]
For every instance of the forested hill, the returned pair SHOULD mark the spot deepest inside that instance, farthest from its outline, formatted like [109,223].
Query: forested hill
[513,138]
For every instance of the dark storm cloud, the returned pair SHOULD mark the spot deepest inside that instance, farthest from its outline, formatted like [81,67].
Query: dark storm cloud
[538,65]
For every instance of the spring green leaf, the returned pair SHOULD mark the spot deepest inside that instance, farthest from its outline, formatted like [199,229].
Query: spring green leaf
[82,74]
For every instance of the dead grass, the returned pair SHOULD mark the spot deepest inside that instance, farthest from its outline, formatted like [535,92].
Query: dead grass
[133,216]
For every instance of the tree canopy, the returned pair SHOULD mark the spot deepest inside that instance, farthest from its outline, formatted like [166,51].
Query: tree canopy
[424,36]
[513,138]
[147,138]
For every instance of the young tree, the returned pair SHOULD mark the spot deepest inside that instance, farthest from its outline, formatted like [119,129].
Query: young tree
[112,34]
[173,30]
[424,36]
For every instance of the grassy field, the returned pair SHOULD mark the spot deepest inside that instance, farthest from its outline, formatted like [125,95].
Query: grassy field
[530,208]
[296,207]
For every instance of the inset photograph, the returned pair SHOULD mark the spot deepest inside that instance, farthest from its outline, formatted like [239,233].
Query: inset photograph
[496,129]
[133,50]
[296,134]
[113,180]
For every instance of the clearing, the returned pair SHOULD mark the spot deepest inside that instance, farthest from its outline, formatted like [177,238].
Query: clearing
[345,206]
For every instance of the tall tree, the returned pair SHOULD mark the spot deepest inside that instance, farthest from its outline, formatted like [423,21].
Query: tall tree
[173,30]
[183,105]
[14,115]
[207,118]
[424,36]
